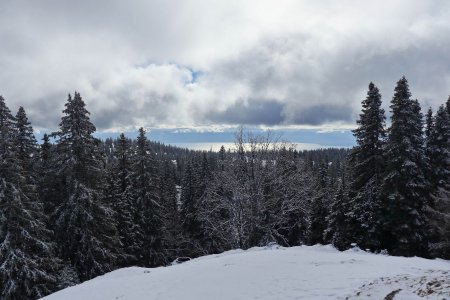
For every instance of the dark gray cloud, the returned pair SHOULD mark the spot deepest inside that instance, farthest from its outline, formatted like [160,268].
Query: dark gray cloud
[322,113]
[136,63]
[47,113]
[250,113]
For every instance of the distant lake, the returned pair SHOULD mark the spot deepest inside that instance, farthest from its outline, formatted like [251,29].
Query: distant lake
[216,146]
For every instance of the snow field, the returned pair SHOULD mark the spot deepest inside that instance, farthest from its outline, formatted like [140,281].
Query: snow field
[306,272]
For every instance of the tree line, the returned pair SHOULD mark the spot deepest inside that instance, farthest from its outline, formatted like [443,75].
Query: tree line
[74,207]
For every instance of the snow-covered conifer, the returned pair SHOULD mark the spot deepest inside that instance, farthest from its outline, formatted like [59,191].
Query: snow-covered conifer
[405,189]
[146,198]
[27,264]
[319,206]
[124,204]
[438,151]
[337,232]
[86,231]
[366,169]
[26,144]
[428,123]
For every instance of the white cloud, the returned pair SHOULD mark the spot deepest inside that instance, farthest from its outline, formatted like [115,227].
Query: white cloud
[133,61]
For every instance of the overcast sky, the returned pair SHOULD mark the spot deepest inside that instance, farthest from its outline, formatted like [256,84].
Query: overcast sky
[194,63]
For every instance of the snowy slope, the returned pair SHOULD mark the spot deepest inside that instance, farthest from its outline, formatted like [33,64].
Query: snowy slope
[317,272]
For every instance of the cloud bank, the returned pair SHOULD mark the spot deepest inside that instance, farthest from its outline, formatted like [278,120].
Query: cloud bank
[200,63]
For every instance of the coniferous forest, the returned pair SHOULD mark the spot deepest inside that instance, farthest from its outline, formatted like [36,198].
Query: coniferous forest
[73,207]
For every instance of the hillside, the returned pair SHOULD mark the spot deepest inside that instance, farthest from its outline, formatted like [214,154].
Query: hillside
[315,272]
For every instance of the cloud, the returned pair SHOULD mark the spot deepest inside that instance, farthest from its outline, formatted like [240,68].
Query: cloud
[250,113]
[319,114]
[205,63]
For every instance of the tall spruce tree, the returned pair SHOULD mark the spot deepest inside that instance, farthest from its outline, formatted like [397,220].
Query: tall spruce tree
[438,151]
[126,208]
[7,136]
[337,232]
[447,105]
[146,196]
[319,205]
[46,180]
[190,200]
[405,189]
[287,206]
[366,169]
[25,143]
[86,230]
[48,183]
[428,123]
[27,264]
[170,212]
[213,215]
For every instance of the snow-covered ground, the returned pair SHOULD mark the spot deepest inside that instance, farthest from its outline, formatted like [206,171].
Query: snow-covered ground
[316,272]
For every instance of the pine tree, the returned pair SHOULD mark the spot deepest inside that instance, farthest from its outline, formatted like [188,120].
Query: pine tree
[319,204]
[170,213]
[214,214]
[124,204]
[26,151]
[27,266]
[222,157]
[86,230]
[47,182]
[288,203]
[337,231]
[146,196]
[438,152]
[429,123]
[405,189]
[78,150]
[46,149]
[447,105]
[25,142]
[366,169]
[438,149]
[7,135]
[204,176]
[190,200]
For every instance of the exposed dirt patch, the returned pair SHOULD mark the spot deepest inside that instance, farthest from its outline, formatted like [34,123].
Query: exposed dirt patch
[433,284]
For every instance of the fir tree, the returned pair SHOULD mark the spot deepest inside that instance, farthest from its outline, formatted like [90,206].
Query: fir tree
[213,215]
[288,203]
[319,206]
[146,196]
[47,182]
[337,231]
[46,149]
[222,157]
[429,123]
[25,142]
[124,204]
[86,229]
[78,151]
[204,175]
[170,213]
[447,105]
[366,174]
[27,264]
[438,151]
[191,224]
[7,135]
[405,188]
[25,146]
